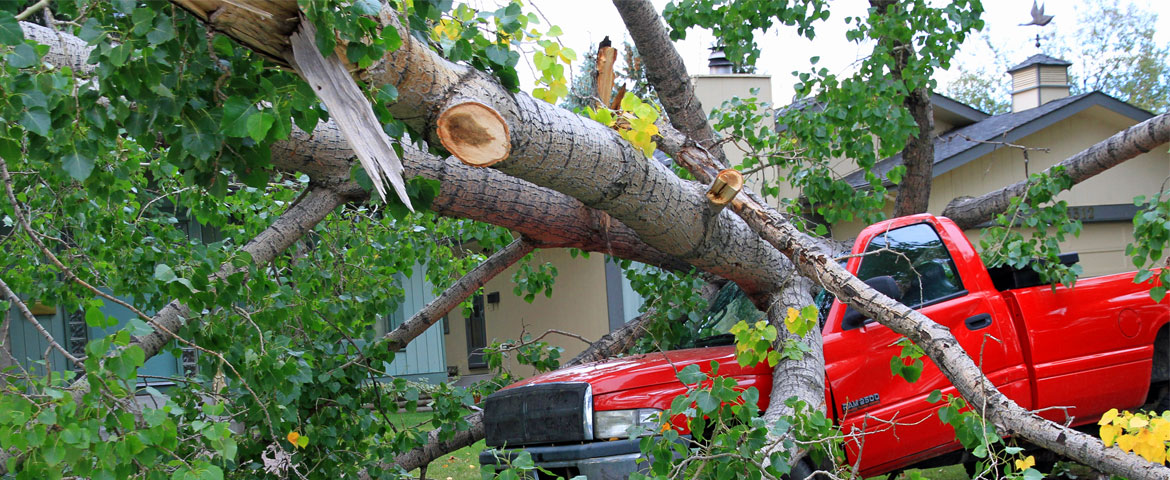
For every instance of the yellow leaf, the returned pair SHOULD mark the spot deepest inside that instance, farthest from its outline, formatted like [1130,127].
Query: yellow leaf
[1108,417]
[1161,429]
[1138,422]
[1025,463]
[1108,434]
[791,319]
[1126,442]
[293,437]
[303,441]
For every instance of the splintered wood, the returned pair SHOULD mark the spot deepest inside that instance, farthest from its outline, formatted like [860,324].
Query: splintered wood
[332,83]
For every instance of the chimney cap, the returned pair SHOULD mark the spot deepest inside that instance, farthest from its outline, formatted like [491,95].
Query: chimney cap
[1039,59]
[717,61]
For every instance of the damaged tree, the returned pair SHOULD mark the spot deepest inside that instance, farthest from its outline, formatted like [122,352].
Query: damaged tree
[581,172]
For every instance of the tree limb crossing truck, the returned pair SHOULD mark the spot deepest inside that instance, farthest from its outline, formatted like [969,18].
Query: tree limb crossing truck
[1070,354]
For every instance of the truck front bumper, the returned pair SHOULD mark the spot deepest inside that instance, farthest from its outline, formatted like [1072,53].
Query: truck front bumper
[597,460]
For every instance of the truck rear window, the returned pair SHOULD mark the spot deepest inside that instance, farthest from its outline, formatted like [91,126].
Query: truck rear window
[917,260]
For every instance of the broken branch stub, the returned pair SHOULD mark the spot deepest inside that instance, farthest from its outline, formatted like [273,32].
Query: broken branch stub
[474,133]
[331,81]
[726,185]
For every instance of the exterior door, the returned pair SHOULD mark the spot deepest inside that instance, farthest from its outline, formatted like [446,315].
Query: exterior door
[476,334]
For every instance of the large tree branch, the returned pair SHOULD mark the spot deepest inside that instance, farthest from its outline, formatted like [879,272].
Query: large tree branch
[667,72]
[546,218]
[1122,146]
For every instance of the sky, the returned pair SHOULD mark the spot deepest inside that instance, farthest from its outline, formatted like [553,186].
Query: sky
[586,22]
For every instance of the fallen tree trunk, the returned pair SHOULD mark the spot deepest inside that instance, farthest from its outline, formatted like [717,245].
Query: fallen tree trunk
[804,377]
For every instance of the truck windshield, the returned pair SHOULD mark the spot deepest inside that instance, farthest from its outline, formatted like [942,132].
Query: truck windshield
[917,260]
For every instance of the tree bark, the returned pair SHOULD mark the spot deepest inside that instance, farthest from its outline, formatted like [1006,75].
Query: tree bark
[918,157]
[667,72]
[349,108]
[546,218]
[1122,146]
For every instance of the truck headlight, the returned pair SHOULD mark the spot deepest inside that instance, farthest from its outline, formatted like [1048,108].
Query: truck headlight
[616,423]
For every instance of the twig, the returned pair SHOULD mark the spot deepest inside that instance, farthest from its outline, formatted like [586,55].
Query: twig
[34,8]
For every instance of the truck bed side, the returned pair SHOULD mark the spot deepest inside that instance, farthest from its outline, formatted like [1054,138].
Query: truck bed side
[1090,347]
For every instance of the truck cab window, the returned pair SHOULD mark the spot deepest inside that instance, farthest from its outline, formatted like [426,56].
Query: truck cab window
[915,257]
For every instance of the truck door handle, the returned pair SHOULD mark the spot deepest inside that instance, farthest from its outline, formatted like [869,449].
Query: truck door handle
[983,320]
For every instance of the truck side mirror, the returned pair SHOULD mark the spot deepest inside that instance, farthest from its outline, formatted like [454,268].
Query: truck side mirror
[885,285]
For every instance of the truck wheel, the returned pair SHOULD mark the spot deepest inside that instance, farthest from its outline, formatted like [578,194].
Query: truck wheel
[1159,398]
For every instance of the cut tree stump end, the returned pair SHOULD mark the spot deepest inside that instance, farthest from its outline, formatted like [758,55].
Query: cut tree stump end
[475,133]
[725,187]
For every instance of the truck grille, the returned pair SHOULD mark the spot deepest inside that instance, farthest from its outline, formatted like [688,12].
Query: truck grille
[537,414]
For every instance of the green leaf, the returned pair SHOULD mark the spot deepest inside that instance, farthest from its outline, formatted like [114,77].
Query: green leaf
[77,166]
[367,7]
[163,31]
[23,56]
[945,414]
[10,32]
[9,150]
[691,374]
[164,273]
[201,145]
[236,113]
[138,328]
[37,120]
[913,371]
[259,124]
[934,396]
[96,319]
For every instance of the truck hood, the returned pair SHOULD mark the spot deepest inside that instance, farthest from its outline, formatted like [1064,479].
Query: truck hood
[647,369]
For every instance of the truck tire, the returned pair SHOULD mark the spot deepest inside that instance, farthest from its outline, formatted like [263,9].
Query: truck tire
[1159,397]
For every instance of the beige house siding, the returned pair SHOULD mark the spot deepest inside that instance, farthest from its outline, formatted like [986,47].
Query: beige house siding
[578,305]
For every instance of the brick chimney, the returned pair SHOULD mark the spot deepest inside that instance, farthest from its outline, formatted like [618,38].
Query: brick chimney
[1039,80]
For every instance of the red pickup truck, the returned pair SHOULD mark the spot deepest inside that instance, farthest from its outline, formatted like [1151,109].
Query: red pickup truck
[1100,345]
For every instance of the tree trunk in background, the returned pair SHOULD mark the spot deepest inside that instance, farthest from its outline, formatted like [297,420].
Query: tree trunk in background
[918,154]
[918,157]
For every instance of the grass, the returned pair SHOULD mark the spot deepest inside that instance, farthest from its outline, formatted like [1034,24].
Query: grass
[462,464]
